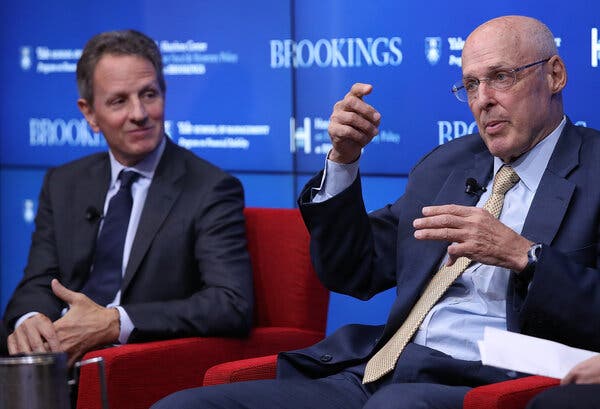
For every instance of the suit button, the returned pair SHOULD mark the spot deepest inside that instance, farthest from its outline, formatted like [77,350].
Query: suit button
[326,358]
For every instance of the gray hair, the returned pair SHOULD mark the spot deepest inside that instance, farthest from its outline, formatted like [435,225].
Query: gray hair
[123,42]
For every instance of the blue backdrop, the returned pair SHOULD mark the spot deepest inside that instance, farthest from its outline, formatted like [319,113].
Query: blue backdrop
[250,87]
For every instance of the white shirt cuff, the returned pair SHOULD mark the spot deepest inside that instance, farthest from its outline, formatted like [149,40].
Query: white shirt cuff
[126,325]
[24,317]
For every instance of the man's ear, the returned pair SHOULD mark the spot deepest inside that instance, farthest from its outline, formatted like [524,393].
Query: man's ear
[88,112]
[558,74]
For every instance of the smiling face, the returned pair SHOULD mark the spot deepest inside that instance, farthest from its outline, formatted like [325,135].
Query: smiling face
[128,106]
[513,121]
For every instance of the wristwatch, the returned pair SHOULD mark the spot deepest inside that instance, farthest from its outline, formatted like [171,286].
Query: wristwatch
[532,258]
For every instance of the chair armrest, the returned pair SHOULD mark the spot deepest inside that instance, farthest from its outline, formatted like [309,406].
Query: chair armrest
[251,369]
[137,375]
[513,394]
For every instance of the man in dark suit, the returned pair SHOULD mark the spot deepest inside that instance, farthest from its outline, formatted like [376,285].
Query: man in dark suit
[517,206]
[183,268]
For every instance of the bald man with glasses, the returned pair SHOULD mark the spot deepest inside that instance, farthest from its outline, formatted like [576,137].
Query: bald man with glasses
[499,229]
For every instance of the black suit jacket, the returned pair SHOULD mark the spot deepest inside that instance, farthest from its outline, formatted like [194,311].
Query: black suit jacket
[188,273]
[361,255]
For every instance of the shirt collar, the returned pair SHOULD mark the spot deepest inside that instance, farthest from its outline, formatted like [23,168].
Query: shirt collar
[145,167]
[531,166]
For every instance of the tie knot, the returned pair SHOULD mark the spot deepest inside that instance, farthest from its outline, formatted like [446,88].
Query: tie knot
[505,179]
[127,178]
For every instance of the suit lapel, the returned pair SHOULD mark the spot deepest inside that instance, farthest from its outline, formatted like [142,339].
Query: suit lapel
[555,191]
[164,190]
[452,192]
[90,192]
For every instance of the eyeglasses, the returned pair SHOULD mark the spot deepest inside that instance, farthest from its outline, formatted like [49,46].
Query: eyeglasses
[499,80]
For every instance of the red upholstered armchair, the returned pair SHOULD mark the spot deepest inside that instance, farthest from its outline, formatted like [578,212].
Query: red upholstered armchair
[290,312]
[504,395]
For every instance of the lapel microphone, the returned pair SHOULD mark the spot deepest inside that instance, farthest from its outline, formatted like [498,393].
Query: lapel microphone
[473,188]
[92,214]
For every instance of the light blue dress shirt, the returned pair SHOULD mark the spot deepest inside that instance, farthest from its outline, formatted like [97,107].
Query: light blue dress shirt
[478,297]
[139,191]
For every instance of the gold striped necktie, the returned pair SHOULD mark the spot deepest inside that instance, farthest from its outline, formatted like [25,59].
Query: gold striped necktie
[385,359]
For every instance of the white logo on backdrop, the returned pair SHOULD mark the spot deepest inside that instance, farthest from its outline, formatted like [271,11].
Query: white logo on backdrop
[448,130]
[336,52]
[61,132]
[28,212]
[433,49]
[56,60]
[457,43]
[179,57]
[595,47]
[168,125]
[25,58]
[312,136]
[218,136]
[300,138]
[192,57]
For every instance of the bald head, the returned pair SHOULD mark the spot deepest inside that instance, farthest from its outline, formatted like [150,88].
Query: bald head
[527,37]
[512,118]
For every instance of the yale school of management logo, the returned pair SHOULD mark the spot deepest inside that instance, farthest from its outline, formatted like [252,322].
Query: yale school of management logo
[433,49]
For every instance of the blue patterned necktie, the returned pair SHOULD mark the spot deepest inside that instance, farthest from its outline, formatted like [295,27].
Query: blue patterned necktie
[106,275]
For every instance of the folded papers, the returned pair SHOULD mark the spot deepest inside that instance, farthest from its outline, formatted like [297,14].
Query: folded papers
[523,353]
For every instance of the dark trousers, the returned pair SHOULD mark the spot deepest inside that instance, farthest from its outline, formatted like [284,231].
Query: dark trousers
[423,378]
[568,397]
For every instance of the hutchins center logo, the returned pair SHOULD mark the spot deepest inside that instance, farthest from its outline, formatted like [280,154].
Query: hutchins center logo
[336,52]
[192,57]
[310,136]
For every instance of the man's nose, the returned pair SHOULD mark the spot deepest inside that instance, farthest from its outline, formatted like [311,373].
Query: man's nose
[485,95]
[138,113]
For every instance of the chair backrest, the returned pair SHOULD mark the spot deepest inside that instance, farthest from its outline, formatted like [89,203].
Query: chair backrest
[286,289]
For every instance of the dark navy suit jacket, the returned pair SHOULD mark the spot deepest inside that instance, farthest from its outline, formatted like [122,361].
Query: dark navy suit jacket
[189,272]
[362,254]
